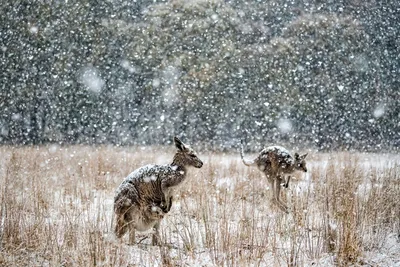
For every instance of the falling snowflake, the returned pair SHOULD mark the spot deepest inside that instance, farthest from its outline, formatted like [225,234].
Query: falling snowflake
[34,30]
[156,82]
[379,111]
[90,77]
[284,125]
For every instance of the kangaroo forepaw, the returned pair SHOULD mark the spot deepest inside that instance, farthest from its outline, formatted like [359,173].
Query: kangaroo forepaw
[155,241]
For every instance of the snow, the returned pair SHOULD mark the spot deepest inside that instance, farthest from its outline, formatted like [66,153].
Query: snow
[126,65]
[90,77]
[34,29]
[154,209]
[379,111]
[196,214]
[16,116]
[53,149]
[284,125]
[307,75]
[156,82]
[226,183]
[279,149]
[151,170]
[320,69]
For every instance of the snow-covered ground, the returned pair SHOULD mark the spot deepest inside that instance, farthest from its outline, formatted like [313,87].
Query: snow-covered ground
[222,216]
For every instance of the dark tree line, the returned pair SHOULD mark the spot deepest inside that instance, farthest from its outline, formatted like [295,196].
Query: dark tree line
[307,73]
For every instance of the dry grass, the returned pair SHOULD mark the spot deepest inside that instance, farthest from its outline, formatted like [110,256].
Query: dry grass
[56,210]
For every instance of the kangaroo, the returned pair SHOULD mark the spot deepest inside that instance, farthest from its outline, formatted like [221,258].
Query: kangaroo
[276,162]
[145,196]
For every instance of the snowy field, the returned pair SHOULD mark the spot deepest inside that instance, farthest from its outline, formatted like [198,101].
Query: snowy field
[56,210]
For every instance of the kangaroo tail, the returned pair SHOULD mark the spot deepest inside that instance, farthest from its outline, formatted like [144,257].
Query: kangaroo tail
[245,161]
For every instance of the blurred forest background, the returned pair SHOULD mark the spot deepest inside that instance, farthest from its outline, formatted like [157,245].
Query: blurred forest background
[321,74]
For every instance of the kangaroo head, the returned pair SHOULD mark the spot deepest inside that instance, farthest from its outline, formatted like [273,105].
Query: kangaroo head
[300,162]
[156,212]
[161,203]
[186,155]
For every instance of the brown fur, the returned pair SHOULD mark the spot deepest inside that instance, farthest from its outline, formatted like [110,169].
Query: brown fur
[145,196]
[276,163]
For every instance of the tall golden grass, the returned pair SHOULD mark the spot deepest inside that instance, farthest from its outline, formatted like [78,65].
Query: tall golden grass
[56,210]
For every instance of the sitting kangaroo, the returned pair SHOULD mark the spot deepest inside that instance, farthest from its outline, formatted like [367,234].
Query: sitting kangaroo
[275,162]
[145,196]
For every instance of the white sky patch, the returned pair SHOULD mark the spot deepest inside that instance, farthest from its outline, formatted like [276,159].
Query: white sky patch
[90,77]
[284,125]
[379,111]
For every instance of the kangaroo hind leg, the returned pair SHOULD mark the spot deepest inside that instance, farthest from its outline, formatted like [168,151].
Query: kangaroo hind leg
[277,190]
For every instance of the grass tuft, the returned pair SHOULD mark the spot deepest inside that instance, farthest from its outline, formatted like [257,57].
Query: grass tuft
[57,202]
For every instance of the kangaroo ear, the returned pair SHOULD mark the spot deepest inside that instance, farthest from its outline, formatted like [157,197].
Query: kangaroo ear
[304,156]
[178,143]
[296,155]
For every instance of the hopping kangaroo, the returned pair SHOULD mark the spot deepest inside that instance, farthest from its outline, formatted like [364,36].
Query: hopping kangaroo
[145,196]
[276,162]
